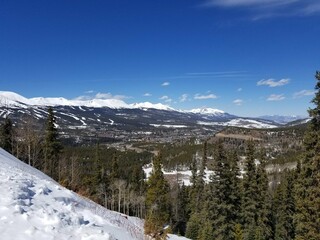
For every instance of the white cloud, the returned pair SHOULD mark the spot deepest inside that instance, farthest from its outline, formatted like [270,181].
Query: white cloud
[261,9]
[166,99]
[239,90]
[102,96]
[311,9]
[165,84]
[110,96]
[303,93]
[238,102]
[202,97]
[147,95]
[273,83]
[276,97]
[89,92]
[249,3]
[183,97]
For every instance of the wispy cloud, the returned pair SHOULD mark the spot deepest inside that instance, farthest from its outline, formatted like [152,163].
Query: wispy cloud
[239,90]
[183,97]
[203,97]
[303,93]
[211,75]
[102,96]
[89,92]
[261,9]
[238,102]
[276,97]
[110,96]
[273,83]
[147,95]
[165,84]
[311,8]
[249,3]
[166,99]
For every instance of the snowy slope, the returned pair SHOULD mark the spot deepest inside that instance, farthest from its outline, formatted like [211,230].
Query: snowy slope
[33,206]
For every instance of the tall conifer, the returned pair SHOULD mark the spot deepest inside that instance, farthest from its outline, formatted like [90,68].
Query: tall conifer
[157,201]
[307,217]
[7,135]
[52,147]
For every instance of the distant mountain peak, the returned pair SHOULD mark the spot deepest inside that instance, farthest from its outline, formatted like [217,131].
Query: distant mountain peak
[158,106]
[282,119]
[207,111]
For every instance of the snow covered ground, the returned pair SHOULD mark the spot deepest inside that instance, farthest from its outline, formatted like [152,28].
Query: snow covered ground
[33,206]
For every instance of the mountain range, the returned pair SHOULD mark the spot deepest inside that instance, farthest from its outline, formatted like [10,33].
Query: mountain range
[105,115]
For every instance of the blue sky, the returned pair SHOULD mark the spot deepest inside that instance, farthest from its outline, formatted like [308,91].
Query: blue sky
[245,57]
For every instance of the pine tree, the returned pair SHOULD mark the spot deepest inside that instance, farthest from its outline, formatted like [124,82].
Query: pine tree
[7,135]
[193,226]
[198,195]
[284,208]
[263,203]
[157,201]
[99,184]
[307,217]
[235,188]
[52,147]
[224,199]
[249,204]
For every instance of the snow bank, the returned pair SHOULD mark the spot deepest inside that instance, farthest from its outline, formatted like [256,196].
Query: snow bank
[33,206]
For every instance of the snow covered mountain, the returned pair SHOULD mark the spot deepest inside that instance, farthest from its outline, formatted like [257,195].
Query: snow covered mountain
[207,111]
[113,114]
[33,206]
[12,99]
[282,119]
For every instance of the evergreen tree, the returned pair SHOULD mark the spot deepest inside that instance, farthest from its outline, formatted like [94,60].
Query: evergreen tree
[235,188]
[198,195]
[7,135]
[284,208]
[263,203]
[307,217]
[193,226]
[115,173]
[100,177]
[249,203]
[224,199]
[52,147]
[157,201]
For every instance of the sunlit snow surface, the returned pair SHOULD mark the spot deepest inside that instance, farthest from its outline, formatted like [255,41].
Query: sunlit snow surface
[33,206]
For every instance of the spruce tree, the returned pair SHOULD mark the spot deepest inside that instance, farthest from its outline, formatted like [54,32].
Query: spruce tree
[198,195]
[224,199]
[52,147]
[263,203]
[249,203]
[284,208]
[157,201]
[7,135]
[307,217]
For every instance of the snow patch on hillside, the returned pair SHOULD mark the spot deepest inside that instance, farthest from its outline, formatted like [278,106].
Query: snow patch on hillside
[240,122]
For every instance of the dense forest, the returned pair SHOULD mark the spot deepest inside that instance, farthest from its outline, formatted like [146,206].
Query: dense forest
[238,203]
